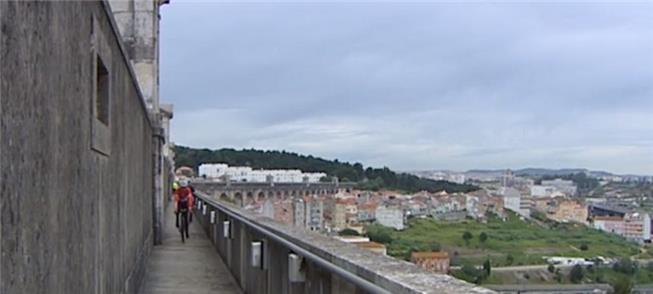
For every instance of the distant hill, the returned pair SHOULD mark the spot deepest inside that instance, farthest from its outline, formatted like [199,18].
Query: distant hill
[540,172]
[366,178]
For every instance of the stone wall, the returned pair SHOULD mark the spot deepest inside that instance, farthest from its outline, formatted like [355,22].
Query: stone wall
[244,192]
[138,25]
[76,154]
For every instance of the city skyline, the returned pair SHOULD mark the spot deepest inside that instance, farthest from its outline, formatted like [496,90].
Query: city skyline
[417,86]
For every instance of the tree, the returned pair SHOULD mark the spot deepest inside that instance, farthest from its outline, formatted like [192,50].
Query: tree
[584,247]
[487,267]
[623,285]
[551,268]
[467,236]
[625,266]
[405,247]
[509,259]
[576,274]
[471,273]
[482,237]
[348,232]
[435,246]
[379,234]
[368,178]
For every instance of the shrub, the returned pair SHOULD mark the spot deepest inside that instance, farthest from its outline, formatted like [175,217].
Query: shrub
[348,232]
[576,274]
[482,237]
[379,234]
[625,266]
[509,259]
[623,285]
[467,236]
[551,268]
[584,247]
[487,268]
[472,274]
[599,279]
[435,246]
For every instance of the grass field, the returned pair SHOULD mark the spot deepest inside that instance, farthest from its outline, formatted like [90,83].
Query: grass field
[525,241]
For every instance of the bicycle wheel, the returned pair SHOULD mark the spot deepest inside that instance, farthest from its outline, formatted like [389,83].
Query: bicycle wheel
[184,226]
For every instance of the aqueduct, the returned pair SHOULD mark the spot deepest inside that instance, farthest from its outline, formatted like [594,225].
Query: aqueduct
[245,193]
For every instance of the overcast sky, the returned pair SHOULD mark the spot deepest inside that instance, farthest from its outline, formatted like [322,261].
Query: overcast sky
[416,85]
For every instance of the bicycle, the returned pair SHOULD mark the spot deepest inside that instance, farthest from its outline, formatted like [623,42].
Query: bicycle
[183,229]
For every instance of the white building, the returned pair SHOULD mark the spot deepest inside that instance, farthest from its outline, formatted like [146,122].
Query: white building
[471,204]
[457,178]
[637,226]
[513,201]
[565,186]
[610,224]
[448,176]
[391,216]
[221,171]
[542,191]
[238,173]
[212,170]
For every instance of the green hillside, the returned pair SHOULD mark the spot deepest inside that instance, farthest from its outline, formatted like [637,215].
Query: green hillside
[509,242]
[366,177]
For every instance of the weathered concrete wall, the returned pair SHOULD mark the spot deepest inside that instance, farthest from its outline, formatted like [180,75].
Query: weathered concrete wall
[138,25]
[73,219]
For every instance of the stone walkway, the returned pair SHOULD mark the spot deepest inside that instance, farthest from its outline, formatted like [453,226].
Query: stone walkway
[191,267]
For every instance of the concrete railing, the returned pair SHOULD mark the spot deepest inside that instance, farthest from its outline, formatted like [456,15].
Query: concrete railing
[268,257]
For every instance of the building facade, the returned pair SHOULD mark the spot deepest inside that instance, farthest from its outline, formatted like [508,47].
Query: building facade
[569,210]
[610,224]
[391,216]
[637,227]
[564,186]
[434,261]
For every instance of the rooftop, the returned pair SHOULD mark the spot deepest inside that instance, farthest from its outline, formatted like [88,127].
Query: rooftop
[429,255]
[370,244]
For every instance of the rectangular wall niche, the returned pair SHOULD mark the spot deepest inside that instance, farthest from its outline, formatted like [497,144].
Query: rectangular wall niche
[101,91]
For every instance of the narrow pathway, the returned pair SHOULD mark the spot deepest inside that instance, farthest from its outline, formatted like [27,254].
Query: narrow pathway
[191,267]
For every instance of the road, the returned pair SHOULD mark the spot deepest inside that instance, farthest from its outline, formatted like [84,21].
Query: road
[642,262]
[528,267]
[520,267]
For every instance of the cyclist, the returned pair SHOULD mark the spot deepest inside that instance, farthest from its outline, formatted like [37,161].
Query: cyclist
[183,202]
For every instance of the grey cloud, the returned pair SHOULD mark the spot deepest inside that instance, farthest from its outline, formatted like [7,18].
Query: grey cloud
[420,85]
